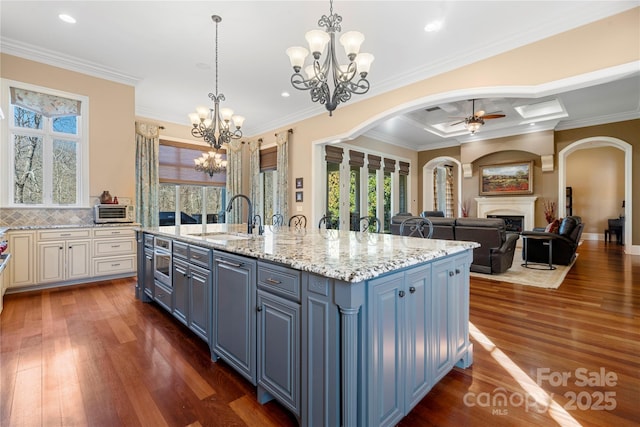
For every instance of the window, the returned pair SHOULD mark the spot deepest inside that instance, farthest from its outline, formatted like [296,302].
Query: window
[364,184]
[268,182]
[47,162]
[185,195]
[403,191]
[333,158]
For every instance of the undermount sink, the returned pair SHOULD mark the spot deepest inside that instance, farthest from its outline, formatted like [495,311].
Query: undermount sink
[219,235]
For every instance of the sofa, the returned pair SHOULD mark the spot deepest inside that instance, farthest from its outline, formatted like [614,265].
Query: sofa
[497,246]
[564,242]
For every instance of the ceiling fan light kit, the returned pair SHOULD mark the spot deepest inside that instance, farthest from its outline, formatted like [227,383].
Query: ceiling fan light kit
[347,79]
[476,120]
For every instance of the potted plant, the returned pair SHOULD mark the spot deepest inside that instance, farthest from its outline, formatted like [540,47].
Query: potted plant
[549,211]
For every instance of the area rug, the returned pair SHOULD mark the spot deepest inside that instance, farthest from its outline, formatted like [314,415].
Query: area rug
[517,274]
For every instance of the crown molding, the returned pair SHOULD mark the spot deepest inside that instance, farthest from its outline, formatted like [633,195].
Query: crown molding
[57,59]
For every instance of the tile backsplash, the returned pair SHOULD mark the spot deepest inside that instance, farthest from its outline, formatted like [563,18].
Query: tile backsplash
[15,217]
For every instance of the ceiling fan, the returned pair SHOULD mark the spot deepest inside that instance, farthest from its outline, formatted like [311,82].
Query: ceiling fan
[476,119]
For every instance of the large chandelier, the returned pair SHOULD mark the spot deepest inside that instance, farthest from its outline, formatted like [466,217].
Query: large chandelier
[210,163]
[347,78]
[215,124]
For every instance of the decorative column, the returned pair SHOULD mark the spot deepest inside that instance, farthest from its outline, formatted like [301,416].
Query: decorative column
[350,298]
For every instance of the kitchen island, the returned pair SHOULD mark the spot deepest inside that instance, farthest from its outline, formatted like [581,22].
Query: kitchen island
[342,328]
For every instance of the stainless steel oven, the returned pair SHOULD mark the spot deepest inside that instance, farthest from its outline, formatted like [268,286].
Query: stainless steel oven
[162,261]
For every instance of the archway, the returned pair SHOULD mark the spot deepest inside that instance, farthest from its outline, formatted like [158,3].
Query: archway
[596,142]
[427,179]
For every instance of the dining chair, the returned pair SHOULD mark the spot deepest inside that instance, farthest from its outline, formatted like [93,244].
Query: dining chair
[369,223]
[298,221]
[415,227]
[277,219]
[329,223]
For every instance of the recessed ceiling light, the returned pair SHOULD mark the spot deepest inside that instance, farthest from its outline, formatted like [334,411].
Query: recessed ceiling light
[532,124]
[285,94]
[433,26]
[67,18]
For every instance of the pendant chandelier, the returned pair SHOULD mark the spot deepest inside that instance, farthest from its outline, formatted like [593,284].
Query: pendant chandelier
[211,163]
[216,125]
[347,79]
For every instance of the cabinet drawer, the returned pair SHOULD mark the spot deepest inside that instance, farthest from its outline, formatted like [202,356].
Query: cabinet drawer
[108,247]
[200,256]
[114,265]
[81,233]
[114,232]
[148,240]
[163,296]
[180,249]
[279,280]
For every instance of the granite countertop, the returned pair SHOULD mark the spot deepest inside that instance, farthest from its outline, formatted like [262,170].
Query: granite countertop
[56,226]
[343,255]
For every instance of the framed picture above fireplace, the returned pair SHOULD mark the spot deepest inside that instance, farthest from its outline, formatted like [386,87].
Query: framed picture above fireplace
[506,179]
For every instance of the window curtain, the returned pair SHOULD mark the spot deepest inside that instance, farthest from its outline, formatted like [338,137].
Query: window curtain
[147,141]
[282,201]
[254,173]
[234,180]
[449,192]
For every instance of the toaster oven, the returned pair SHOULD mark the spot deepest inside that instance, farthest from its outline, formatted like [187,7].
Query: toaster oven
[113,213]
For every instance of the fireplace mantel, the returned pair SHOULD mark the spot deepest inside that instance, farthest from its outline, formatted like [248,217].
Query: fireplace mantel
[515,205]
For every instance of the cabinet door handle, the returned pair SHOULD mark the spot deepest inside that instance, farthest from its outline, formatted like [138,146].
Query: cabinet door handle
[60,248]
[401,294]
[259,308]
[233,264]
[451,273]
[412,289]
[273,281]
[457,271]
[115,246]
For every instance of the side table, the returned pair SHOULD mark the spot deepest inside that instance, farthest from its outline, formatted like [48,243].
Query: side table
[546,241]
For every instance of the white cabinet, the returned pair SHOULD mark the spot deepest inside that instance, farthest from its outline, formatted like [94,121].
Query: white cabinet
[69,255]
[114,251]
[23,255]
[63,255]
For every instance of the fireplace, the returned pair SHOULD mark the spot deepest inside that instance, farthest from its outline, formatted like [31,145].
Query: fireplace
[515,206]
[514,223]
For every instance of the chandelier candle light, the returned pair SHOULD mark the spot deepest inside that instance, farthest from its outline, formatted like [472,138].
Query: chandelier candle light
[214,124]
[347,78]
[210,163]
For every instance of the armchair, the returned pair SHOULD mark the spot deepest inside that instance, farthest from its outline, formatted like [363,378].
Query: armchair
[564,243]
[497,246]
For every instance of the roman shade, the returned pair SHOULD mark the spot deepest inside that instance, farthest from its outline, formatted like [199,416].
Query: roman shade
[176,164]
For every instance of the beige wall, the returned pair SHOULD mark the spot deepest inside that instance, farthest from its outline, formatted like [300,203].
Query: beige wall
[600,45]
[629,132]
[596,176]
[111,121]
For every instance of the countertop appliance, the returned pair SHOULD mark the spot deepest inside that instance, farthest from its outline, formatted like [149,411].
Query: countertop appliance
[105,213]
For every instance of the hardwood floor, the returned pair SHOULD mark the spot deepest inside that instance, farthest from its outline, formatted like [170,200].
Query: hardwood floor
[92,355]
